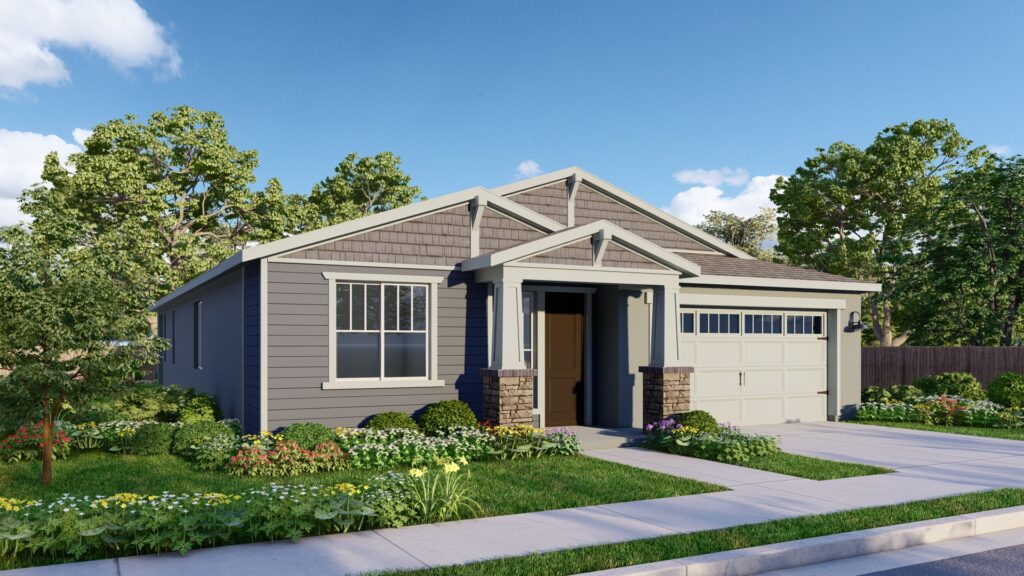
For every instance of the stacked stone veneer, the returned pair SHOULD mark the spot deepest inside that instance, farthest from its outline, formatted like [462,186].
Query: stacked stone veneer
[508,395]
[666,390]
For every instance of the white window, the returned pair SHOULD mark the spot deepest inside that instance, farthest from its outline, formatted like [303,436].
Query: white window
[381,331]
[762,323]
[804,324]
[719,323]
[686,323]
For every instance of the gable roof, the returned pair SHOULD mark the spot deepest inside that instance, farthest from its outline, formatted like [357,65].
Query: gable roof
[607,230]
[719,269]
[626,198]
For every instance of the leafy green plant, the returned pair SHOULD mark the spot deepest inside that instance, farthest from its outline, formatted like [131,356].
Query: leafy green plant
[700,420]
[1008,390]
[391,420]
[307,434]
[25,443]
[442,493]
[951,384]
[198,408]
[725,445]
[152,439]
[381,449]
[286,458]
[441,416]
[897,393]
[188,437]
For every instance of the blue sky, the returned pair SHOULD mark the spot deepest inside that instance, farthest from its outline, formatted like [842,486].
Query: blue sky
[657,97]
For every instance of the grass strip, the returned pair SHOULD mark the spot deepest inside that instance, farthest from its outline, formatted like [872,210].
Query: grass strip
[812,468]
[1004,433]
[609,556]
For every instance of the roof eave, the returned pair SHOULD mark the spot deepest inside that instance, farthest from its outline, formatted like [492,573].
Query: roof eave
[791,283]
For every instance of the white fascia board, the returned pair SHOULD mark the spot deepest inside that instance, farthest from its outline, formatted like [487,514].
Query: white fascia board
[752,282]
[222,268]
[521,213]
[645,248]
[688,300]
[625,198]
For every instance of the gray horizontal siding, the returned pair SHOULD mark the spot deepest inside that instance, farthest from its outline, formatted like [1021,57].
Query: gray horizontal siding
[299,340]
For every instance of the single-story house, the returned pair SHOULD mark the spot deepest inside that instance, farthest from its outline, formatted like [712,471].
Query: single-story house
[559,300]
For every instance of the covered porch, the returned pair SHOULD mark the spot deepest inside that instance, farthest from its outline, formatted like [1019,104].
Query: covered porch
[583,329]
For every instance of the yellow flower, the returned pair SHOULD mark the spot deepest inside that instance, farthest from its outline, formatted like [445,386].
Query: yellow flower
[451,467]
[417,472]
[124,505]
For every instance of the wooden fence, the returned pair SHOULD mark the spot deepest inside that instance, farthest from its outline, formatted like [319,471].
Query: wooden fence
[886,366]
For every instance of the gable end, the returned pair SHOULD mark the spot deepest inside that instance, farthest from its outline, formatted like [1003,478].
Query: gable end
[551,200]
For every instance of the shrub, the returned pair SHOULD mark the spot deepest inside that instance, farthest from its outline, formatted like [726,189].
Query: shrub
[379,449]
[1007,389]
[724,445]
[198,408]
[307,434]
[899,393]
[444,415]
[152,439]
[188,437]
[525,441]
[699,420]
[148,401]
[391,421]
[951,384]
[286,458]
[26,442]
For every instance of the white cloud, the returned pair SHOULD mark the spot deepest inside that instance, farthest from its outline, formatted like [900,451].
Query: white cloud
[1000,150]
[118,30]
[727,176]
[528,168]
[81,135]
[21,164]
[693,204]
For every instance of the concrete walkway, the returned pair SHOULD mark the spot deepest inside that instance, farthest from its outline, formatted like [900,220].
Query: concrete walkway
[929,465]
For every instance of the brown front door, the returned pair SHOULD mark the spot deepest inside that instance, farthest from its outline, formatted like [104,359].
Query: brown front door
[563,365]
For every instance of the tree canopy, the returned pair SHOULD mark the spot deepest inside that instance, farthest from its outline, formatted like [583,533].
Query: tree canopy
[360,187]
[754,235]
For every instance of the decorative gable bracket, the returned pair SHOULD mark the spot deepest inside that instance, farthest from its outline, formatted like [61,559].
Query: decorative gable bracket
[600,241]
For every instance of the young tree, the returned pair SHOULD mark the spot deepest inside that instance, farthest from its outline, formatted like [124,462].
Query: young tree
[753,235]
[856,212]
[360,187]
[173,186]
[69,330]
[971,289]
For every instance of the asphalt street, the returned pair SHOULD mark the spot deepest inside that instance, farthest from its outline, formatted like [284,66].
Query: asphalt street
[1007,561]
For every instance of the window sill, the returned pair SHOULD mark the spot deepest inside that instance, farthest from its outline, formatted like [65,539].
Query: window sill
[379,384]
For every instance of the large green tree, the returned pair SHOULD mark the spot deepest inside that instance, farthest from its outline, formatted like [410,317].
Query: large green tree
[174,187]
[70,327]
[857,212]
[360,187]
[754,235]
[971,287]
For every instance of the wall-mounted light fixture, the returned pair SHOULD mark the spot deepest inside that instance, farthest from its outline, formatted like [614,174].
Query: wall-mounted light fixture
[855,324]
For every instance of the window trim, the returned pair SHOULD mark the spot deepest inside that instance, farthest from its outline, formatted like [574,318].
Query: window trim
[197,335]
[430,380]
[743,323]
[720,311]
[743,312]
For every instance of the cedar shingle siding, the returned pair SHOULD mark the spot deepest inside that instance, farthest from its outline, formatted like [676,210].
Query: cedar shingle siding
[498,232]
[578,254]
[298,340]
[438,239]
[592,205]
[551,200]
[616,256]
[715,265]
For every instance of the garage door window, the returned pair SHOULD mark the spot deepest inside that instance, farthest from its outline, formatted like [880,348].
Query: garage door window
[686,322]
[803,324]
[762,323]
[719,323]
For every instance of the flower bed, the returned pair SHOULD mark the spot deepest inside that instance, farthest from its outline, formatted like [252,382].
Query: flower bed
[942,410]
[73,527]
[26,442]
[726,444]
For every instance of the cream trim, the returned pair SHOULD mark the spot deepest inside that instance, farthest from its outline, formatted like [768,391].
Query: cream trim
[264,348]
[644,247]
[352,263]
[760,302]
[386,278]
[625,198]
[750,281]
[379,384]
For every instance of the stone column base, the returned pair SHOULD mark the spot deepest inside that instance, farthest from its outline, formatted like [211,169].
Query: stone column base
[666,391]
[508,395]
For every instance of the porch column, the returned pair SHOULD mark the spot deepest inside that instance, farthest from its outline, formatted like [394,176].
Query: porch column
[507,383]
[666,381]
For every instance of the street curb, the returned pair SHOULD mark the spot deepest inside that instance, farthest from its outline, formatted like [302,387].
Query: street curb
[797,553]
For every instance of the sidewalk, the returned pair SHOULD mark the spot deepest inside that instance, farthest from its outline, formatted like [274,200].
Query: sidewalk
[754,496]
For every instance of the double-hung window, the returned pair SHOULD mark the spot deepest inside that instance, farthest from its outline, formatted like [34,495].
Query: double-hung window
[381,333]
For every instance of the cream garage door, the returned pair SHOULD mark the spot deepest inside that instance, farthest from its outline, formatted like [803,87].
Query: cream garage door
[756,366]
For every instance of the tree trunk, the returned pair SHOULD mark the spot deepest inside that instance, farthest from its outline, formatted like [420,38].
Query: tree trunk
[881,325]
[47,451]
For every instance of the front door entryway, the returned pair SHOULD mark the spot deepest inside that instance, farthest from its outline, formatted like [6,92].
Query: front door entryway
[563,366]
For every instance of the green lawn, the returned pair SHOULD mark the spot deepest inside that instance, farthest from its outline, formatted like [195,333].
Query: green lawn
[812,468]
[609,556]
[1004,433]
[501,487]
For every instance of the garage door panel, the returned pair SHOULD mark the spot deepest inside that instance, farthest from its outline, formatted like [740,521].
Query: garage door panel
[805,408]
[724,410]
[760,352]
[712,352]
[758,381]
[769,410]
[688,352]
[714,383]
[806,380]
[803,352]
